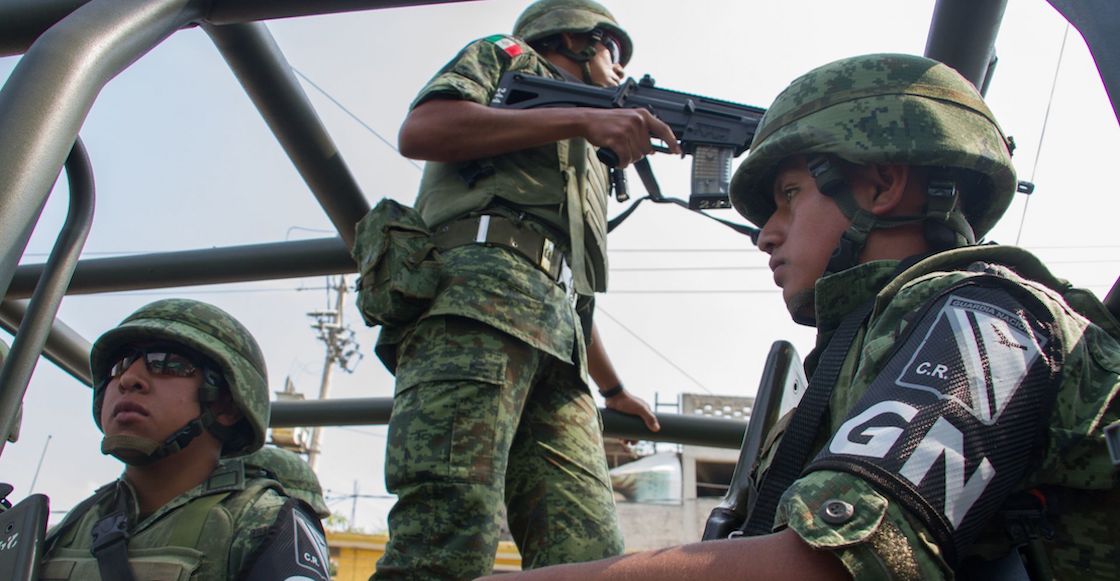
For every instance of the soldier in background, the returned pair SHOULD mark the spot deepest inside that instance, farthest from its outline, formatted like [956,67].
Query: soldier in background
[492,403]
[290,470]
[955,422]
[178,385]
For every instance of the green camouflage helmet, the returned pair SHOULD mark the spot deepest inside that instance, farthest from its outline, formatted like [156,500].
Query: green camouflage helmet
[882,108]
[546,18]
[208,330]
[290,470]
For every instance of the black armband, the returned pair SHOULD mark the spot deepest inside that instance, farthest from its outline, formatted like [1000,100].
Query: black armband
[957,416]
[295,547]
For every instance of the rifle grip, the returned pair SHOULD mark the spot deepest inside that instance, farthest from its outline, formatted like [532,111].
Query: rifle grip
[608,157]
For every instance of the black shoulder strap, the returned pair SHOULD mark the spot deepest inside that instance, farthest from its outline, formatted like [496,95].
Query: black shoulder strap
[75,515]
[797,442]
[110,542]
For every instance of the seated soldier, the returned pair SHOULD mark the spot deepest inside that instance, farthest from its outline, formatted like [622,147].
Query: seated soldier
[287,468]
[178,385]
[954,426]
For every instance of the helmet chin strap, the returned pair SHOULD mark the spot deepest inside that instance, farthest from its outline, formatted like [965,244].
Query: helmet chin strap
[944,224]
[585,55]
[140,451]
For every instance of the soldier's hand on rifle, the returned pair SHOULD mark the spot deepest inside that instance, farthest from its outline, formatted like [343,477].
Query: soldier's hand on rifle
[627,133]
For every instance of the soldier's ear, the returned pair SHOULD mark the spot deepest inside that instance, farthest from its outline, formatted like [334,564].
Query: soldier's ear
[225,410]
[885,187]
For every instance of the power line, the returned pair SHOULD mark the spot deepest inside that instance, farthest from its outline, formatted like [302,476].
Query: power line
[201,292]
[1042,134]
[599,309]
[353,116]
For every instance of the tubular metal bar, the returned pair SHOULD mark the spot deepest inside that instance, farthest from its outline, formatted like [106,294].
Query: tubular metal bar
[267,77]
[962,34]
[65,347]
[50,92]
[197,267]
[1098,21]
[33,331]
[376,411]
[22,21]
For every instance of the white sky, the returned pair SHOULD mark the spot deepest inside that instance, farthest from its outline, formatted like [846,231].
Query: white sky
[182,161]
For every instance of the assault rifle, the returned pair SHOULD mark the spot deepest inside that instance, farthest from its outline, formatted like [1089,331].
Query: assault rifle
[711,131]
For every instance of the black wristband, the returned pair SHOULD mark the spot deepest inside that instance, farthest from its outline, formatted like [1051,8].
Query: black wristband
[609,393]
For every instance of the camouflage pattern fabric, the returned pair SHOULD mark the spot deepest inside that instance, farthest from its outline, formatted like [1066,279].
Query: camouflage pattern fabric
[533,182]
[491,402]
[208,330]
[223,549]
[546,18]
[481,417]
[882,108]
[884,541]
[297,477]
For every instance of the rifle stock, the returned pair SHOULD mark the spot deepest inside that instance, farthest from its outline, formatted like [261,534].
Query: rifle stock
[782,385]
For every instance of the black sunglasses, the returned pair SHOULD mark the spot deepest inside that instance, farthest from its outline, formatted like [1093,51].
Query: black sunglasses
[613,46]
[165,360]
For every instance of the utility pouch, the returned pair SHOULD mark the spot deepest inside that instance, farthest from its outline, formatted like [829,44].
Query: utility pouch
[399,267]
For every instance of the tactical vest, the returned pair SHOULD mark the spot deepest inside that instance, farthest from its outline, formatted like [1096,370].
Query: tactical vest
[192,541]
[562,185]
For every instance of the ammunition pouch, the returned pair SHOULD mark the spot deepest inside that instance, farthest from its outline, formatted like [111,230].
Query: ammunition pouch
[399,267]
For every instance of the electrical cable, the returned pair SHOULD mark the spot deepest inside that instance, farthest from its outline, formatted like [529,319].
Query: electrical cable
[1042,134]
[599,309]
[353,116]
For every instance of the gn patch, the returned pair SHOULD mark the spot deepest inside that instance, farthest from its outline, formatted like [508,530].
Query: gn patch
[953,421]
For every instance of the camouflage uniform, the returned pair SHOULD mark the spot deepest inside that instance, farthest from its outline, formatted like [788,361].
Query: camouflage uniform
[881,539]
[936,426]
[228,527]
[224,548]
[491,402]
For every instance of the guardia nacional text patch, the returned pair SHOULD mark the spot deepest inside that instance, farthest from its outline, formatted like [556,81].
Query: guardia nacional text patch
[951,424]
[975,354]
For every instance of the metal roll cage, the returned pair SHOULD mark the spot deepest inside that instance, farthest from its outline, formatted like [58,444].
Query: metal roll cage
[72,48]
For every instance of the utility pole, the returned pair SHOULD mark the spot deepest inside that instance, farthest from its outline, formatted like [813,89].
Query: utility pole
[341,345]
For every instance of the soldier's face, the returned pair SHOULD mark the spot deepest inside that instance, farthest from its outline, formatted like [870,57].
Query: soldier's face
[604,71]
[800,236]
[149,403]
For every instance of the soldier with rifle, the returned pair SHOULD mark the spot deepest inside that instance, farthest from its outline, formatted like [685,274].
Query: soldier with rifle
[962,413]
[491,404]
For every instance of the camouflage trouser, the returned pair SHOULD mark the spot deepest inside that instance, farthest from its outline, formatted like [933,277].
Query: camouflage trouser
[479,416]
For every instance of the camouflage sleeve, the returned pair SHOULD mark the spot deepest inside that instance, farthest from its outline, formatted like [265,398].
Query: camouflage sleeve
[474,73]
[252,531]
[874,537]
[921,465]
